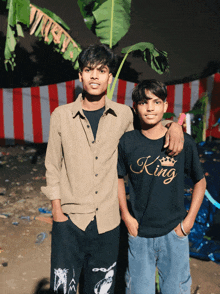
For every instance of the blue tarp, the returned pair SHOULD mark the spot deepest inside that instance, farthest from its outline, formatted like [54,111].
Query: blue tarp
[201,246]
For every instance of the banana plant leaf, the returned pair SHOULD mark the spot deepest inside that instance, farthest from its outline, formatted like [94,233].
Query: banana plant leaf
[55,17]
[86,8]
[157,59]
[69,52]
[19,13]
[110,18]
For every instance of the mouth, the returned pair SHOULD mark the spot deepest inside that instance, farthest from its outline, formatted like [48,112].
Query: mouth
[94,84]
[150,115]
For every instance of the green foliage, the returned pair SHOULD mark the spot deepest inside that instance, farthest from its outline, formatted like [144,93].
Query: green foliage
[168,115]
[55,17]
[86,8]
[110,18]
[18,12]
[157,281]
[112,21]
[199,112]
[155,58]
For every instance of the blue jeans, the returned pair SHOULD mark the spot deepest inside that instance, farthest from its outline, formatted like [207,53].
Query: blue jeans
[169,253]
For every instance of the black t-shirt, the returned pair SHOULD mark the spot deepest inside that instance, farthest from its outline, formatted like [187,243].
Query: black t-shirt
[93,118]
[156,181]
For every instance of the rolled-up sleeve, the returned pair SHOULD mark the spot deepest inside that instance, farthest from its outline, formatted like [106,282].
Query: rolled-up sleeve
[53,159]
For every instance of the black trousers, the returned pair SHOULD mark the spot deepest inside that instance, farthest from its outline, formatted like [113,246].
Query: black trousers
[74,250]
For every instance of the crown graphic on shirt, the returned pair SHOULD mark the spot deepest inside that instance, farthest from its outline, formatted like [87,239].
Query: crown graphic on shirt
[167,161]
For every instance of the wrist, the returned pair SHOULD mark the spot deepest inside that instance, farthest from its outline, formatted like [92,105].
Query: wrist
[185,228]
[125,215]
[189,221]
[57,211]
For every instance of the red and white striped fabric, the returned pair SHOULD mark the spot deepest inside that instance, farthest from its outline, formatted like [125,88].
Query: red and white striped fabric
[25,112]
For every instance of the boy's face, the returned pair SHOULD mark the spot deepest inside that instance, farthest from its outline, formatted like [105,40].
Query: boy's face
[95,79]
[150,111]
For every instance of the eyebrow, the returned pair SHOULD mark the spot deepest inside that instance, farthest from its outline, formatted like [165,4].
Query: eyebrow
[148,98]
[98,67]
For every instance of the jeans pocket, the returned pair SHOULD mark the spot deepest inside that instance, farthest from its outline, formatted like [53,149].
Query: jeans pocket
[55,222]
[130,236]
[60,226]
[179,237]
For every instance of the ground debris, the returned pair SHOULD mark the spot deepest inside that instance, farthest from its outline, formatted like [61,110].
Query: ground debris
[2,191]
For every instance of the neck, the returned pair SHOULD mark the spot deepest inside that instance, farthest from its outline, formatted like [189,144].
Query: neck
[93,102]
[154,132]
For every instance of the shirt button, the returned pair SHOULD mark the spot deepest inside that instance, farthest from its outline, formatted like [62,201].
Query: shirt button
[96,157]
[96,192]
[87,126]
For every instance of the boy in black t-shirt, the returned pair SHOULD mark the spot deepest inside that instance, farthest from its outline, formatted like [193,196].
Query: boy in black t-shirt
[156,219]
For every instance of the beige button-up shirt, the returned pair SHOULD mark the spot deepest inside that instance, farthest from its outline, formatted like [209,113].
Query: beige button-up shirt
[81,171]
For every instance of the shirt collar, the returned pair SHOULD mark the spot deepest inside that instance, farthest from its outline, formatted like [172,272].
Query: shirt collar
[110,107]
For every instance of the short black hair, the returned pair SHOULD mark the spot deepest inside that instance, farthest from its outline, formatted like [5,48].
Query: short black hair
[155,87]
[97,54]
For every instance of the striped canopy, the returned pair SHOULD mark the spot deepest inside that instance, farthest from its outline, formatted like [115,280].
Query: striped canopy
[25,112]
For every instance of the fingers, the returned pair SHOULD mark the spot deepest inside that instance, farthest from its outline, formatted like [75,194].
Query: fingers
[133,232]
[167,140]
[179,231]
[132,227]
[174,140]
[175,148]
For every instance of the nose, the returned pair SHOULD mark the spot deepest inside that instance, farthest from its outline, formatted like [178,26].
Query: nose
[94,74]
[150,106]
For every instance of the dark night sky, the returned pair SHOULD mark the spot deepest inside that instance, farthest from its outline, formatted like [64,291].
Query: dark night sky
[188,30]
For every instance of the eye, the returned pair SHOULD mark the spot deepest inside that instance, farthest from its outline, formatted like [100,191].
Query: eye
[87,69]
[158,102]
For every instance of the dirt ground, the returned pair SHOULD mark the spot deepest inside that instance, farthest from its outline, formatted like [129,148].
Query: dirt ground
[25,241]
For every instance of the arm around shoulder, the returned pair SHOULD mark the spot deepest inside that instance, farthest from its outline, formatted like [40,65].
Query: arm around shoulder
[174,138]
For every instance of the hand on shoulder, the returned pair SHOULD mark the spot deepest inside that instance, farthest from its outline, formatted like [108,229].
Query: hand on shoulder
[174,139]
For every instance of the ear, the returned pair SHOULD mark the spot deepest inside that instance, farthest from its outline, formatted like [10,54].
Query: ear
[165,107]
[135,107]
[110,78]
[80,76]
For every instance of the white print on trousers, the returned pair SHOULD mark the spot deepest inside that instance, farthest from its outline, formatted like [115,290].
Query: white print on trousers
[104,285]
[72,284]
[61,279]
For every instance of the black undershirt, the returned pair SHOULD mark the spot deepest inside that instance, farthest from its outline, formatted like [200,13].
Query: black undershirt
[93,118]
